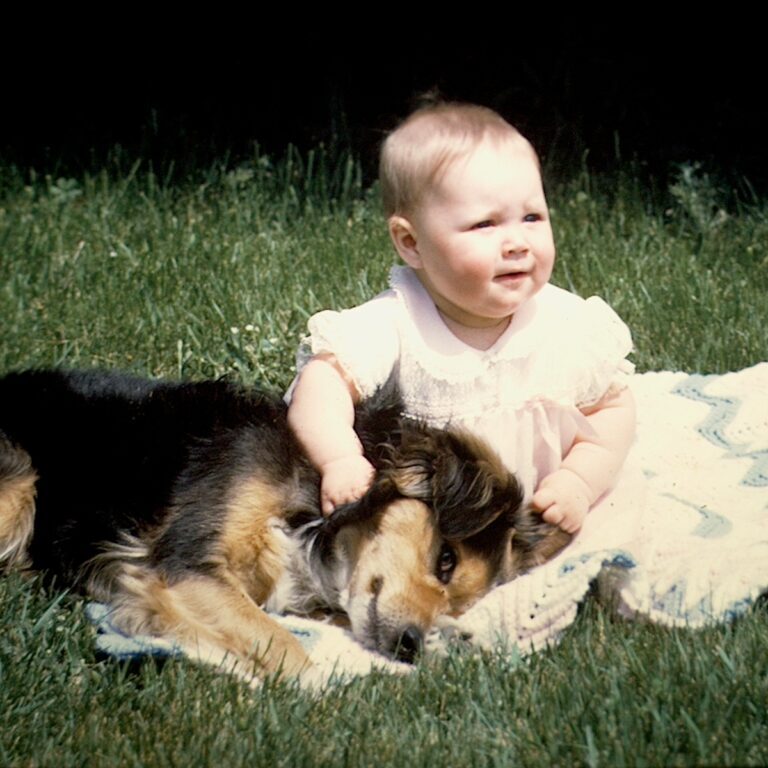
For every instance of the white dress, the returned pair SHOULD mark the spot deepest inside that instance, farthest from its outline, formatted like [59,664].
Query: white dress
[560,352]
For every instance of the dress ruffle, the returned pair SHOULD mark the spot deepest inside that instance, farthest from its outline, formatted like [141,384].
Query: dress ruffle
[590,359]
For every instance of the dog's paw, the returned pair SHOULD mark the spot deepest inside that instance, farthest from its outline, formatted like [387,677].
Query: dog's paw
[315,680]
[447,633]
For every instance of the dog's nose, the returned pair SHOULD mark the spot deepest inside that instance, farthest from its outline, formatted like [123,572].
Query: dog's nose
[409,644]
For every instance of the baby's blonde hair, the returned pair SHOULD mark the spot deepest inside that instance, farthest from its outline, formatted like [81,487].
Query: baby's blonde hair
[422,147]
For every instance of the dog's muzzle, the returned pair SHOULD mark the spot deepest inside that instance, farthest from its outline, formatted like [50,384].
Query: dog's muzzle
[408,645]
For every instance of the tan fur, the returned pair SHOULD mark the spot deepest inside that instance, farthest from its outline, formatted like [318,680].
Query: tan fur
[394,584]
[211,619]
[214,618]
[17,516]
[470,581]
[395,568]
[248,544]
[104,571]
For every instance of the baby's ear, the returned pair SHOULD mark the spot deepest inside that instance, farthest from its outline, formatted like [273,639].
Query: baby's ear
[403,236]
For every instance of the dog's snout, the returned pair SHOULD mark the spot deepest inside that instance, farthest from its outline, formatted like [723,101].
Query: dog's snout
[409,644]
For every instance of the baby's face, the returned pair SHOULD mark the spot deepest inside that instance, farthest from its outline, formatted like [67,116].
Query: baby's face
[482,240]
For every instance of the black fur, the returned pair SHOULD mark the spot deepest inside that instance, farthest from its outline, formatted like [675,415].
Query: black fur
[115,451]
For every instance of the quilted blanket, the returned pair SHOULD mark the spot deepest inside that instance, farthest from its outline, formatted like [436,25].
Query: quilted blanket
[682,539]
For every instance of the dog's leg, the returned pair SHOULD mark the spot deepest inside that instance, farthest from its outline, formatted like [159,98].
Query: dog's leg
[212,619]
[17,503]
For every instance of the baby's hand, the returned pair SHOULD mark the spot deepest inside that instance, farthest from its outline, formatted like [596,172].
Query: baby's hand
[344,480]
[563,500]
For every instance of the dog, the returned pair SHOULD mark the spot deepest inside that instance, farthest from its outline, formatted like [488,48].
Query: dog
[192,510]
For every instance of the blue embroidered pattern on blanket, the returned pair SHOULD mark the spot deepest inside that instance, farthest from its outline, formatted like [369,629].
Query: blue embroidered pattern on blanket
[713,428]
[711,526]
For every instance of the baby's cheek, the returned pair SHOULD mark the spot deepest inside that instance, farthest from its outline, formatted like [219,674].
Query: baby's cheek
[473,269]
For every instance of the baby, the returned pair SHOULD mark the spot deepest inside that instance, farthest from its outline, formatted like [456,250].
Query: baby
[476,333]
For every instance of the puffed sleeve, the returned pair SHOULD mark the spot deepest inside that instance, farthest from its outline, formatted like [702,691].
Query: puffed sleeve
[575,349]
[599,363]
[363,339]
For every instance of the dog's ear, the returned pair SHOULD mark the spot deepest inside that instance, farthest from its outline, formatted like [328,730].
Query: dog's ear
[410,468]
[456,474]
[535,541]
[378,419]
[367,507]
[471,489]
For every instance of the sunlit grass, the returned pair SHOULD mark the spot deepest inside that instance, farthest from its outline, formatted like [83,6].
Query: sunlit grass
[218,275]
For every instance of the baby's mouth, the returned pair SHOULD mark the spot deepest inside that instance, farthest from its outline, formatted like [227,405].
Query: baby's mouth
[508,276]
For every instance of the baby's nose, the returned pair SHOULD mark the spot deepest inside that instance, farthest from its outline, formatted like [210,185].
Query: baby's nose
[514,241]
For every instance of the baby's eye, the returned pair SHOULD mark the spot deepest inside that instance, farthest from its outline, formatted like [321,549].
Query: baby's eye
[484,224]
[530,217]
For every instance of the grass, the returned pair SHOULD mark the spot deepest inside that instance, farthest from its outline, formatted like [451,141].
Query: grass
[218,275]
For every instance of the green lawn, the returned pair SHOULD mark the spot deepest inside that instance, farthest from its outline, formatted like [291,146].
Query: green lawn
[219,275]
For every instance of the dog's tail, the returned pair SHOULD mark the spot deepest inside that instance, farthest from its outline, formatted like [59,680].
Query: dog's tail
[17,503]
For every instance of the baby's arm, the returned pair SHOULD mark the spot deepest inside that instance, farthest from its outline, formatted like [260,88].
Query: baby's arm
[590,467]
[322,416]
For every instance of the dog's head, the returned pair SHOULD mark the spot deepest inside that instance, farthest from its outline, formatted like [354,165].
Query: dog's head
[441,525]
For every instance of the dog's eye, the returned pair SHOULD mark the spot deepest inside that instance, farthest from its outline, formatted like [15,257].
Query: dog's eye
[446,563]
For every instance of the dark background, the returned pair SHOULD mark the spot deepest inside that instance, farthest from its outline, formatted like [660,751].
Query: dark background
[651,90]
